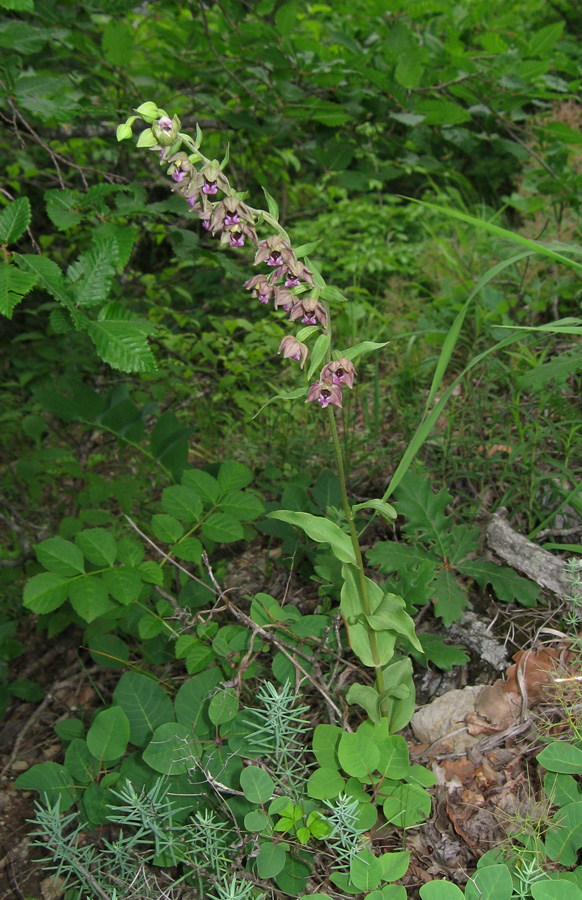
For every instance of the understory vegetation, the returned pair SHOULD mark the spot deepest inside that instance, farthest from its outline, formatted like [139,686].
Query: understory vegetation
[291,304]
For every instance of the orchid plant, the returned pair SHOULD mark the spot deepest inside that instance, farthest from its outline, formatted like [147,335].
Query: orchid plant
[374,619]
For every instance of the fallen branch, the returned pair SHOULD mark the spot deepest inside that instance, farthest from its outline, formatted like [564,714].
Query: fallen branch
[540,566]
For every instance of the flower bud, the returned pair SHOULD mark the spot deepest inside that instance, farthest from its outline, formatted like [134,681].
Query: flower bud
[166,130]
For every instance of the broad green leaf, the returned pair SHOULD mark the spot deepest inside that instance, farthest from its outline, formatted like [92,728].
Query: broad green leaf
[561,789]
[50,278]
[14,286]
[394,865]
[170,751]
[407,805]
[222,528]
[365,870]
[97,545]
[440,890]
[409,71]
[390,615]
[257,785]
[89,597]
[320,530]
[52,781]
[444,656]
[151,572]
[256,821]
[388,512]
[192,700]
[561,889]
[123,583]
[544,40]
[108,736]
[490,883]
[123,345]
[14,220]
[367,697]
[167,528]
[325,784]
[359,634]
[204,484]
[169,443]
[270,859]
[232,476]
[60,556]
[564,836]
[92,274]
[82,765]
[190,550]
[109,651]
[144,703]
[325,742]
[272,205]
[223,707]
[63,208]
[357,756]
[182,503]
[394,760]
[46,592]
[363,347]
[449,597]
[561,756]
[117,42]
[242,505]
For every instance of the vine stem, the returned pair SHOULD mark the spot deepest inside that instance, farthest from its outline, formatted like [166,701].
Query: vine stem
[358,553]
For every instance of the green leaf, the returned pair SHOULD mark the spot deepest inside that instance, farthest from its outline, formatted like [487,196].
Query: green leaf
[170,750]
[320,530]
[108,736]
[256,821]
[46,592]
[388,512]
[92,274]
[394,865]
[394,760]
[242,506]
[564,836]
[490,883]
[442,112]
[182,503]
[561,756]
[50,278]
[167,528]
[440,890]
[89,597]
[144,703]
[169,443]
[409,71]
[271,205]
[204,484]
[109,651]
[51,780]
[192,701]
[60,556]
[407,805]
[359,634]
[545,39]
[367,697]
[325,784]
[223,707]
[118,42]
[325,742]
[232,476]
[507,584]
[270,860]
[14,286]
[190,550]
[318,353]
[123,583]
[561,889]
[83,767]
[450,598]
[14,220]
[390,615]
[222,528]
[123,345]
[365,870]
[97,545]
[363,347]
[18,5]
[358,756]
[444,656]
[257,785]
[62,208]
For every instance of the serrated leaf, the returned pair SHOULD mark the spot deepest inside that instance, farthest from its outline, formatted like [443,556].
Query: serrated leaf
[123,583]
[89,597]
[97,545]
[242,506]
[60,556]
[449,597]
[91,275]
[14,220]
[222,528]
[62,208]
[423,509]
[45,592]
[14,286]
[190,550]
[123,345]
[232,476]
[50,278]
[182,503]
[167,528]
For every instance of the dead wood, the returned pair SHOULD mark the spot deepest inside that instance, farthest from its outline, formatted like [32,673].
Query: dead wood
[540,566]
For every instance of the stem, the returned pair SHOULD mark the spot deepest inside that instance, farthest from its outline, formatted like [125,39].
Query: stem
[358,553]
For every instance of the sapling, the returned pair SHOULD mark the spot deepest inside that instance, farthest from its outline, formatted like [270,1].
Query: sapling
[292,285]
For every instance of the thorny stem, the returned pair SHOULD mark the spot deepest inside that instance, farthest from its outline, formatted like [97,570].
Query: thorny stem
[357,552]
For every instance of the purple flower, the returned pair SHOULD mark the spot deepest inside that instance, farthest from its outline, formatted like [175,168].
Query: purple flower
[237,239]
[292,282]
[231,220]
[274,251]
[310,311]
[166,124]
[274,259]
[291,348]
[209,187]
[324,392]
[260,287]
[205,224]
[178,175]
[284,298]
[339,371]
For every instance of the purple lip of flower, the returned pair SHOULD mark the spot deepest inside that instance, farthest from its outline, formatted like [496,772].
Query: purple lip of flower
[178,175]
[308,320]
[232,220]
[162,153]
[237,240]
[324,398]
[209,188]
[275,258]
[165,123]
[292,282]
[191,201]
[205,224]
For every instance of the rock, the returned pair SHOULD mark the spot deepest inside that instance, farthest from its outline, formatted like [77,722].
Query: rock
[443,720]
[20,765]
